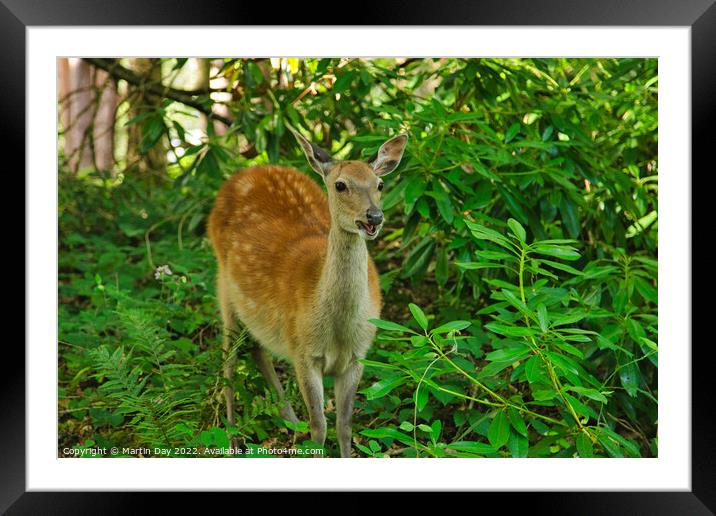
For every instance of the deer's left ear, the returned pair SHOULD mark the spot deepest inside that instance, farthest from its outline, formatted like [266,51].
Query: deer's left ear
[388,156]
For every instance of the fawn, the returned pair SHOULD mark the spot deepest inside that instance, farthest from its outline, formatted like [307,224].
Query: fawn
[294,268]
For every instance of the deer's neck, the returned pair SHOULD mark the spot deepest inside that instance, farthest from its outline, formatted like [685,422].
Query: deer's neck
[343,288]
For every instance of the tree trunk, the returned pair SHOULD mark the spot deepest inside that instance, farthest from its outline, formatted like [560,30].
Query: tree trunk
[86,121]
[103,134]
[77,110]
[155,158]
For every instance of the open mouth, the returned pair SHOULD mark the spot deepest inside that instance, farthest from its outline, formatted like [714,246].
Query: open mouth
[369,229]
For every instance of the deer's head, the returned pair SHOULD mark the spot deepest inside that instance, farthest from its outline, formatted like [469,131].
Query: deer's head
[354,187]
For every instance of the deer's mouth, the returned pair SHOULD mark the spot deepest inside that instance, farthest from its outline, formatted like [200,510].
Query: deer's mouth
[370,229]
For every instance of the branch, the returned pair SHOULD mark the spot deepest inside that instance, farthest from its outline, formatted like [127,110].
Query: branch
[187,98]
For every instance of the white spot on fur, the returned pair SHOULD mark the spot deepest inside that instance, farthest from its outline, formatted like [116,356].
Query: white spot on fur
[244,187]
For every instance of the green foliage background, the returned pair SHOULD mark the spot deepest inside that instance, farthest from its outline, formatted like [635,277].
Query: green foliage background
[518,261]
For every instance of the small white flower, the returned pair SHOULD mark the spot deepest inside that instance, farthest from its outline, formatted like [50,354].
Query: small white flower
[162,270]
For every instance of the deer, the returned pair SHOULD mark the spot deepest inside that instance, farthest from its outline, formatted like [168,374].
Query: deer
[293,267]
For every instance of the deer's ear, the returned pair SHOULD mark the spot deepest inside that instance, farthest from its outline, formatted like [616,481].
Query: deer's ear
[388,156]
[319,159]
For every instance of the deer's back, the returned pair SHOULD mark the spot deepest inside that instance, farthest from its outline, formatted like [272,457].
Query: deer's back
[269,229]
[266,207]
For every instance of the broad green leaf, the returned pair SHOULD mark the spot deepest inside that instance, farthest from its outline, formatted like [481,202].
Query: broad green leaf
[391,326]
[517,422]
[517,444]
[512,132]
[452,326]
[390,433]
[418,315]
[484,233]
[509,354]
[472,447]
[406,426]
[561,267]
[510,331]
[534,370]
[584,446]
[564,252]
[610,445]
[436,429]
[647,290]
[471,266]
[580,407]
[630,378]
[499,430]
[517,230]
[420,397]
[589,393]
[542,317]
[517,303]
[383,387]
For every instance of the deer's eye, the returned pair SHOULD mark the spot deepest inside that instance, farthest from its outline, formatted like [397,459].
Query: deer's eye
[380,186]
[340,186]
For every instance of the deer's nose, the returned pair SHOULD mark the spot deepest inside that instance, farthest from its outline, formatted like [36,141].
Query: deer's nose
[374,216]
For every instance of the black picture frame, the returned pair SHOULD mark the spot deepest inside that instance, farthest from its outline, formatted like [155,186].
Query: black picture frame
[699,15]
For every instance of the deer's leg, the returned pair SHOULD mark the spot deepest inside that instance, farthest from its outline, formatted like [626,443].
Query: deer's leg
[264,362]
[228,317]
[310,381]
[346,385]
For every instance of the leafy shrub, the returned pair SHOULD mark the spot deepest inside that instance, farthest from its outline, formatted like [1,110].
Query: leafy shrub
[536,392]
[522,220]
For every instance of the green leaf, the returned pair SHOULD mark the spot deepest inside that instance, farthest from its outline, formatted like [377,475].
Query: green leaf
[472,447]
[564,252]
[518,445]
[517,422]
[534,370]
[512,132]
[499,430]
[542,317]
[435,429]
[444,204]
[389,433]
[517,230]
[610,445]
[584,446]
[221,440]
[419,259]
[517,303]
[418,315]
[562,267]
[510,331]
[484,233]
[472,266]
[579,407]
[589,393]
[511,354]
[390,326]
[420,397]
[414,189]
[647,290]
[630,377]
[383,387]
[452,326]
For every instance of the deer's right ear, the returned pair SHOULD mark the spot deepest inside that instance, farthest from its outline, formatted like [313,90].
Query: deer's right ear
[319,159]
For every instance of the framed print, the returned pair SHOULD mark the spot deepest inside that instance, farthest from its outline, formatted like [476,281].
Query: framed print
[436,246]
